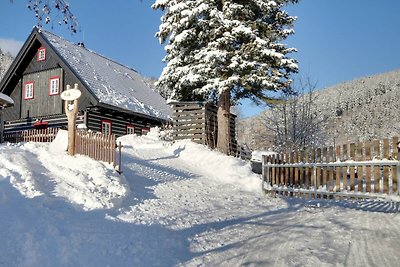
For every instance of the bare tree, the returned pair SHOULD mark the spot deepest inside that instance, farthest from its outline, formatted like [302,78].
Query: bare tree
[294,123]
[48,10]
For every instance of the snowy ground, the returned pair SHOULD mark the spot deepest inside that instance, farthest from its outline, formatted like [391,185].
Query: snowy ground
[175,204]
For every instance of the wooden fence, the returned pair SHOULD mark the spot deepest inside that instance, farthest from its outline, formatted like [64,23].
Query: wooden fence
[33,135]
[197,121]
[362,170]
[96,145]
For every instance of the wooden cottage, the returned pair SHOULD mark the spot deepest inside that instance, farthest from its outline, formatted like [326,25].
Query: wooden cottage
[115,98]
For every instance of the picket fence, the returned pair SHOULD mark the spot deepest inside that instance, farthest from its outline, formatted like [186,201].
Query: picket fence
[363,170]
[33,135]
[96,146]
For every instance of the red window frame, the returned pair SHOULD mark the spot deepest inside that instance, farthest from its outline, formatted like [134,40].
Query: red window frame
[33,90]
[38,54]
[106,122]
[51,79]
[130,126]
[145,130]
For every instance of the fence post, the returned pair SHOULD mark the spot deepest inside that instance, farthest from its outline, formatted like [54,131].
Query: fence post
[119,157]
[398,169]
[263,172]
[315,180]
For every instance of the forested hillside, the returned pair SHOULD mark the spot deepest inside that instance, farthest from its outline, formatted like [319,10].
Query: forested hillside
[359,110]
[5,61]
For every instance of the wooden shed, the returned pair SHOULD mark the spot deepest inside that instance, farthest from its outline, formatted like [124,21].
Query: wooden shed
[197,121]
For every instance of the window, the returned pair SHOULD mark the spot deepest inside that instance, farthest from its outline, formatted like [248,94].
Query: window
[145,130]
[54,85]
[106,127]
[41,55]
[28,90]
[130,129]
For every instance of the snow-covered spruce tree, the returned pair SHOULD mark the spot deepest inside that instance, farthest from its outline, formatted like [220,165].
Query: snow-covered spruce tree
[225,50]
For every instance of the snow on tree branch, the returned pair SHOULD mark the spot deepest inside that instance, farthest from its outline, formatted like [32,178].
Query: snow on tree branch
[214,46]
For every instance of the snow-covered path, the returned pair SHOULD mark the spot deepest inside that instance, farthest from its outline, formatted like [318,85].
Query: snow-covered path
[174,205]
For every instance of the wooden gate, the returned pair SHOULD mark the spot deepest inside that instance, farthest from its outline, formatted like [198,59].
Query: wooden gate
[363,170]
[96,145]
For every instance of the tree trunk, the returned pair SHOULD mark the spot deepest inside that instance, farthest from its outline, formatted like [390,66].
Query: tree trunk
[223,116]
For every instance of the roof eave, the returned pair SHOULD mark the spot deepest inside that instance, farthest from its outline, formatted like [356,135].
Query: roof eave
[108,106]
[17,61]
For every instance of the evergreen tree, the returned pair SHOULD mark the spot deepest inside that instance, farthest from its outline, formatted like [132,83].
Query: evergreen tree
[225,50]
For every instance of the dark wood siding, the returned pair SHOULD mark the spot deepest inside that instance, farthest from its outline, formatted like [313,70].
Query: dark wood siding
[119,122]
[13,113]
[42,104]
[54,121]
[54,61]
[85,99]
[51,62]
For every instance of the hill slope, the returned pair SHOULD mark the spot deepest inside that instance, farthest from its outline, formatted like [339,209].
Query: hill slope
[175,205]
[358,110]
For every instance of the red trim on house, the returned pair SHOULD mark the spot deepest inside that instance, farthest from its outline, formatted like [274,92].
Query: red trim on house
[33,90]
[145,130]
[41,125]
[108,122]
[131,127]
[53,78]
[38,54]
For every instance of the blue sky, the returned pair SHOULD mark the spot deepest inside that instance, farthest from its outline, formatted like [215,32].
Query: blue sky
[337,40]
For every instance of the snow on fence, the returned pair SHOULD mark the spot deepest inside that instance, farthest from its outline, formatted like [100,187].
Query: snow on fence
[197,121]
[97,146]
[363,170]
[33,135]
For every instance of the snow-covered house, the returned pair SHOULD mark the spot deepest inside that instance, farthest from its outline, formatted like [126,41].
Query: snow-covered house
[115,98]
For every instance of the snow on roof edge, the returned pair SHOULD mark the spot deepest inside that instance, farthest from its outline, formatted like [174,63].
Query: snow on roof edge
[111,82]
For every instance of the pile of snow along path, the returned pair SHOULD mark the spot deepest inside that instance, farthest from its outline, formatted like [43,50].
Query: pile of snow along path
[176,204]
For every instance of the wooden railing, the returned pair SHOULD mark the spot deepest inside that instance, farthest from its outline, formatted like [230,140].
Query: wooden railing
[362,170]
[96,145]
[33,135]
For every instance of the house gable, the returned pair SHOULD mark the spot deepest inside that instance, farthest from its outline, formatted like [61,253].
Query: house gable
[110,91]
[28,68]
[113,84]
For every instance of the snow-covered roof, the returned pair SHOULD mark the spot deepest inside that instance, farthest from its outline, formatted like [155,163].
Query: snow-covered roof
[5,100]
[112,83]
